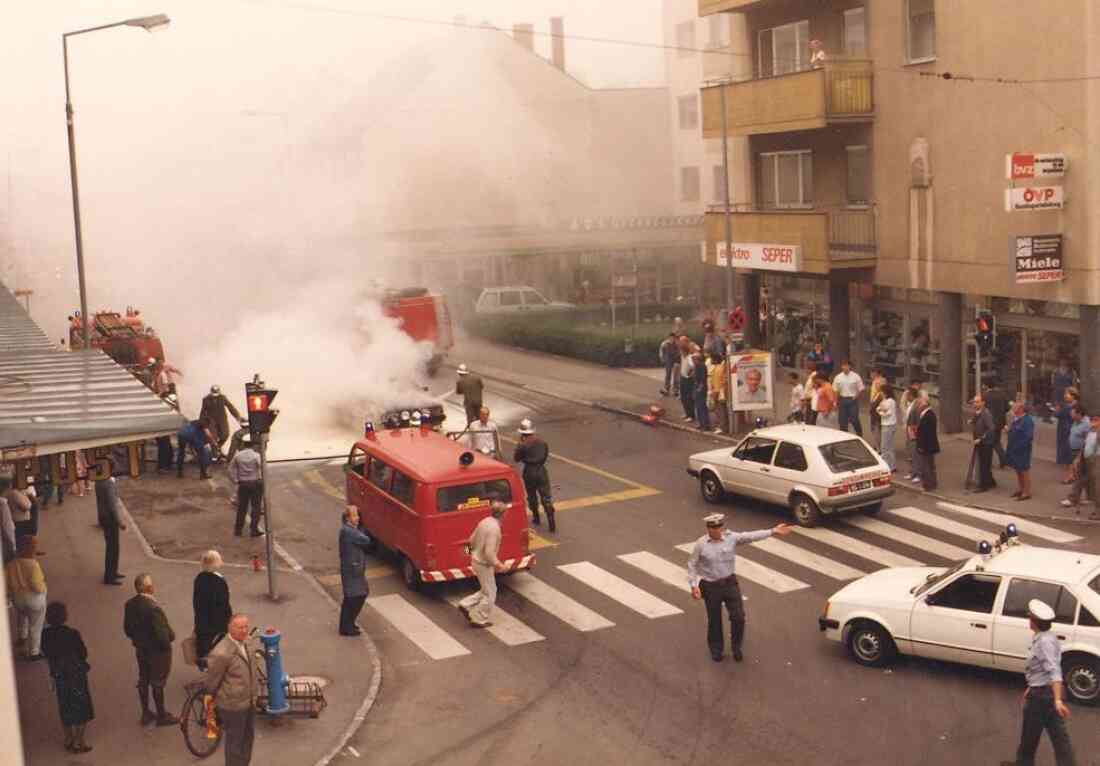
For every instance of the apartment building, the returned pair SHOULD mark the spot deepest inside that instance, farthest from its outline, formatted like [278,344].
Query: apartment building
[903,177]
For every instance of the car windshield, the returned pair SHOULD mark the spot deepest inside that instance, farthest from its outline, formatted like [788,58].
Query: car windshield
[851,455]
[934,578]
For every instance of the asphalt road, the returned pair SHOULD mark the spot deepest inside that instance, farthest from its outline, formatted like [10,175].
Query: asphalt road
[625,687]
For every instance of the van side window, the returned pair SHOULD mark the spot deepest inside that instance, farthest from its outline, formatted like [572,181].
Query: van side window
[402,488]
[357,461]
[478,494]
[380,474]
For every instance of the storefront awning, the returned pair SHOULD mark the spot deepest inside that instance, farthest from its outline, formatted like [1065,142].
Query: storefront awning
[55,401]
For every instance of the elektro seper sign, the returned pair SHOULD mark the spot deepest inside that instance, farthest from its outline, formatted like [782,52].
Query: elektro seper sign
[755,255]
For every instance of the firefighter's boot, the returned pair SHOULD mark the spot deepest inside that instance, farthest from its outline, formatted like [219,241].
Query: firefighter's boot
[535,518]
[550,519]
[147,716]
[164,718]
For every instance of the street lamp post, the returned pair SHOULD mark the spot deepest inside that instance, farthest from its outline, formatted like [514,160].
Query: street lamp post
[148,23]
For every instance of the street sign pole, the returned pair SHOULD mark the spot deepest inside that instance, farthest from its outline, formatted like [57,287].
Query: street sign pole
[269,528]
[726,204]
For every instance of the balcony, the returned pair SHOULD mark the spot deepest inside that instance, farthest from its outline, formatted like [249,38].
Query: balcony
[708,7]
[840,92]
[829,237]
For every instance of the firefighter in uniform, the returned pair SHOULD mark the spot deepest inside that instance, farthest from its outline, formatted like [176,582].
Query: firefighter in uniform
[533,453]
[712,578]
[472,389]
[214,406]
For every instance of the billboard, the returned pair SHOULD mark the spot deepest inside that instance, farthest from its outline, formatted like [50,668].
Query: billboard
[756,255]
[1023,166]
[1039,259]
[1034,198]
[751,383]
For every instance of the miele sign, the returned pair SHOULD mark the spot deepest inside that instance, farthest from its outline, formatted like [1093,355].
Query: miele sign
[754,255]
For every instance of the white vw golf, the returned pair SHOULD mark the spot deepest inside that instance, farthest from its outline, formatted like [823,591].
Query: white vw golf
[809,469]
[975,612]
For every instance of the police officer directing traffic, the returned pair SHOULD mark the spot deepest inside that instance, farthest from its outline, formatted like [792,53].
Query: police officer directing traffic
[1043,704]
[533,452]
[712,578]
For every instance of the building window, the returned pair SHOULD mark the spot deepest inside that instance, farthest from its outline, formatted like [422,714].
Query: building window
[787,179]
[685,39]
[689,184]
[718,31]
[920,30]
[689,111]
[719,184]
[855,33]
[859,175]
[784,49]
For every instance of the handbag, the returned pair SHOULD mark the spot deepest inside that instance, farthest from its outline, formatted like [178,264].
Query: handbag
[190,649]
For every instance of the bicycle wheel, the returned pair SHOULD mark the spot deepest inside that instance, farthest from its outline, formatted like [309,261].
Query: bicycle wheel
[193,724]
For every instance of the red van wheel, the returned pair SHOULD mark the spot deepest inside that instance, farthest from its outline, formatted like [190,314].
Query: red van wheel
[410,574]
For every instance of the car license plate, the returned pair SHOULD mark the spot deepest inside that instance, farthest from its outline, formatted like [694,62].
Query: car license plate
[859,487]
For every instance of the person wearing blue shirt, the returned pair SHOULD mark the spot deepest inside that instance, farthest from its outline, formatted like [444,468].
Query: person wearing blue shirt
[196,435]
[1085,469]
[1021,434]
[354,544]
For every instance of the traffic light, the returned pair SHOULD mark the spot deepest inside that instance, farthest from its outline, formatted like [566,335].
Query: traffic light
[260,415]
[985,329]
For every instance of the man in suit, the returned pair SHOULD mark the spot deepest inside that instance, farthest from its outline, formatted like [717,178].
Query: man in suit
[997,404]
[231,679]
[147,627]
[108,509]
[983,433]
[354,544]
[928,442]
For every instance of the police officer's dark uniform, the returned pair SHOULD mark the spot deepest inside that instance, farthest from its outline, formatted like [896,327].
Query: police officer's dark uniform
[533,452]
[711,577]
[473,390]
[1043,705]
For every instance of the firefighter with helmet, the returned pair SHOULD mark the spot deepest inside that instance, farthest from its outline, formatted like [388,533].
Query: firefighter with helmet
[533,452]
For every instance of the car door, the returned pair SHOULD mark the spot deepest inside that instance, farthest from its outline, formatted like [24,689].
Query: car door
[510,302]
[1011,628]
[533,300]
[383,520]
[955,622]
[749,469]
[789,468]
[356,482]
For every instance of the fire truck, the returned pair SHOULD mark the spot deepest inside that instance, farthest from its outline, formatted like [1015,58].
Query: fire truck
[423,316]
[124,338]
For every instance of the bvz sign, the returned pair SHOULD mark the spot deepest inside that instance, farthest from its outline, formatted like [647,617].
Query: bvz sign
[1039,258]
[1024,166]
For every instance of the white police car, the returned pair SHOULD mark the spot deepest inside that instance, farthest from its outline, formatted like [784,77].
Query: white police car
[809,469]
[975,612]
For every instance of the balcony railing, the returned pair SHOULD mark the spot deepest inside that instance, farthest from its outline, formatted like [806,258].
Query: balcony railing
[842,90]
[830,236]
[707,7]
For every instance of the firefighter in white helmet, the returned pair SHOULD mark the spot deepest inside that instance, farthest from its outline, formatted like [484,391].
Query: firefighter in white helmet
[533,452]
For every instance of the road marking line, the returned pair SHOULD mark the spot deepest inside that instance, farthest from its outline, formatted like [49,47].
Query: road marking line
[338,461]
[415,626]
[759,574]
[807,559]
[556,603]
[590,468]
[314,477]
[943,525]
[1024,526]
[663,569]
[912,539]
[610,497]
[858,547]
[615,587]
[505,627]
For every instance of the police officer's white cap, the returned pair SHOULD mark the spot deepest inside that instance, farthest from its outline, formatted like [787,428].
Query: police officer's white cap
[526,426]
[715,519]
[463,369]
[1040,611]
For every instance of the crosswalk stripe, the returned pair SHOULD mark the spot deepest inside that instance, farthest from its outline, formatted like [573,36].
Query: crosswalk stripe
[505,627]
[810,560]
[663,569]
[556,603]
[615,587]
[410,621]
[759,574]
[943,525]
[1023,525]
[857,547]
[908,537]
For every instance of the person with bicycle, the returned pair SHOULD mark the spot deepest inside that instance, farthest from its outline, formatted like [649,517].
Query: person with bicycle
[231,677]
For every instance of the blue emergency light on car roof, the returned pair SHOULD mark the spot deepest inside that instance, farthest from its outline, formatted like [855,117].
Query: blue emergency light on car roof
[984,548]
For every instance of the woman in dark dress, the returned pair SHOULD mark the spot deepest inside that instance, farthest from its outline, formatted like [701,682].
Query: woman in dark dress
[68,657]
[211,602]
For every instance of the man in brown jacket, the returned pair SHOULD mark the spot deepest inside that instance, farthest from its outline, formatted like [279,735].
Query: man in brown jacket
[231,679]
[147,627]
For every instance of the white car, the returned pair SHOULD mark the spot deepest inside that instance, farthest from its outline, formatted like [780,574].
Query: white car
[516,300]
[975,612]
[809,469]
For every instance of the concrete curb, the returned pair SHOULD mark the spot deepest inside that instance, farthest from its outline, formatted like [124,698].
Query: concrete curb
[963,501]
[295,568]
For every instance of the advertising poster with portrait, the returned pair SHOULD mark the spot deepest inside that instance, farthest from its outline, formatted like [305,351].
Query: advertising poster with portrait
[751,381]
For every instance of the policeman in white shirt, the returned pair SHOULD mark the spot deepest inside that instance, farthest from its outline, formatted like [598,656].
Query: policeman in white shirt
[848,386]
[712,578]
[483,434]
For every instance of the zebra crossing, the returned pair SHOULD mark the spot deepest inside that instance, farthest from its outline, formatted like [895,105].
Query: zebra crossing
[659,577]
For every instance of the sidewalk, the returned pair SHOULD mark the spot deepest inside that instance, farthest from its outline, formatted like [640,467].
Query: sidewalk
[74,569]
[633,390]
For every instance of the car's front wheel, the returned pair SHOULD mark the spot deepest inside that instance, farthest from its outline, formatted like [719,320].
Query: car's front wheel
[711,488]
[870,644]
[805,510]
[1082,678]
[871,510]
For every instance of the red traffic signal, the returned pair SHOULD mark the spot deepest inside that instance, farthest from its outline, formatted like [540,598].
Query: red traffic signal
[260,415]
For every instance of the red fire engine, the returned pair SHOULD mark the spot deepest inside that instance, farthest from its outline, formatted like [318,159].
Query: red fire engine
[423,316]
[125,339]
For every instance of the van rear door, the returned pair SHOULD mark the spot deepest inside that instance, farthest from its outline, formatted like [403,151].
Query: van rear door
[459,506]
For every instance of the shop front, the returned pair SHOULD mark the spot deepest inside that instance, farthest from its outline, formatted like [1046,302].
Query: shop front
[1038,350]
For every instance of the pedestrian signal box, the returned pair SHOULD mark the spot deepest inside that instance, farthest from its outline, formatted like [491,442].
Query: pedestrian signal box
[260,415]
[985,330]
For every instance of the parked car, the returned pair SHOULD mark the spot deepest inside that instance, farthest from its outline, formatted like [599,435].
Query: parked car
[508,300]
[811,470]
[975,612]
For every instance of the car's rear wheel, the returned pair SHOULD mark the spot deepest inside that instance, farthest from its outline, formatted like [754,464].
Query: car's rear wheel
[805,510]
[873,509]
[711,488]
[410,574]
[870,644]
[1082,678]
